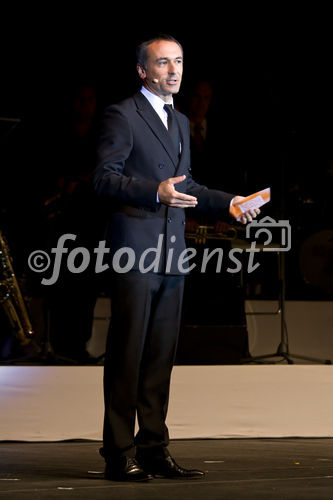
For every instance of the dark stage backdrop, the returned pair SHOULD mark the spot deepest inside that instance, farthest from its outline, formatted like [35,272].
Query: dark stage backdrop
[272,112]
[272,107]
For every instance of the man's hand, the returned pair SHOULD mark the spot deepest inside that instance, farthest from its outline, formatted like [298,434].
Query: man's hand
[248,215]
[169,196]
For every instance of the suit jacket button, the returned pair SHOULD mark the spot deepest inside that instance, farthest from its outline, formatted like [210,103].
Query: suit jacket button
[169,219]
[161,165]
[183,222]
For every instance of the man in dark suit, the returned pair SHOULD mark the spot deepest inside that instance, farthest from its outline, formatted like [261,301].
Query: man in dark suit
[144,171]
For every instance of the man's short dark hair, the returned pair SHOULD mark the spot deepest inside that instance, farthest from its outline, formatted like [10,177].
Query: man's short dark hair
[141,50]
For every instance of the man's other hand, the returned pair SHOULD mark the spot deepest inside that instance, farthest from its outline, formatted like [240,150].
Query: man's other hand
[168,195]
[247,216]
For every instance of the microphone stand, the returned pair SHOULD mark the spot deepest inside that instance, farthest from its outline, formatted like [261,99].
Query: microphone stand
[283,347]
[14,121]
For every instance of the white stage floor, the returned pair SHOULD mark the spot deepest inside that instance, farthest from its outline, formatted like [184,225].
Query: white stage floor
[47,403]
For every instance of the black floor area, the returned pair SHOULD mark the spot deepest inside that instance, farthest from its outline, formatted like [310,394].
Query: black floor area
[235,469]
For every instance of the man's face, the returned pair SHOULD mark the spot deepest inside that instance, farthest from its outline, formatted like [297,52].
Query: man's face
[164,64]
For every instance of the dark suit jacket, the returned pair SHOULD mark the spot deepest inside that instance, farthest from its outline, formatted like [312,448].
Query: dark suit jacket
[135,155]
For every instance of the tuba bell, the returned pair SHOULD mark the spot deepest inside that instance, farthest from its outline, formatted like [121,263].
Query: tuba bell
[11,299]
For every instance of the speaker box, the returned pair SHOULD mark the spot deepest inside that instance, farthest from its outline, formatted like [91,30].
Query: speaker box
[213,330]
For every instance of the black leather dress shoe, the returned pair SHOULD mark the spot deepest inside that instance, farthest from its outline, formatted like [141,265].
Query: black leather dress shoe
[125,469]
[168,468]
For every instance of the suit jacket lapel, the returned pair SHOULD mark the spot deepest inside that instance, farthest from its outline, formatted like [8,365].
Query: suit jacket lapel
[152,119]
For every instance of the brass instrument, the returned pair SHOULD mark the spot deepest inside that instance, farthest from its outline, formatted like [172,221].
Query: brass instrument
[11,297]
[204,233]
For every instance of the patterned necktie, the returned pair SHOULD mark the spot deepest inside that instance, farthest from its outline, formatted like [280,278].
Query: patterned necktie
[173,126]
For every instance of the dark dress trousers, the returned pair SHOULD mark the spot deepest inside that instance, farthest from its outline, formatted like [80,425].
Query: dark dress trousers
[135,155]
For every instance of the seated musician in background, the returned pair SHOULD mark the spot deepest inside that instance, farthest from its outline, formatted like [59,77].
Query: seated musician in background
[206,145]
[74,209]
